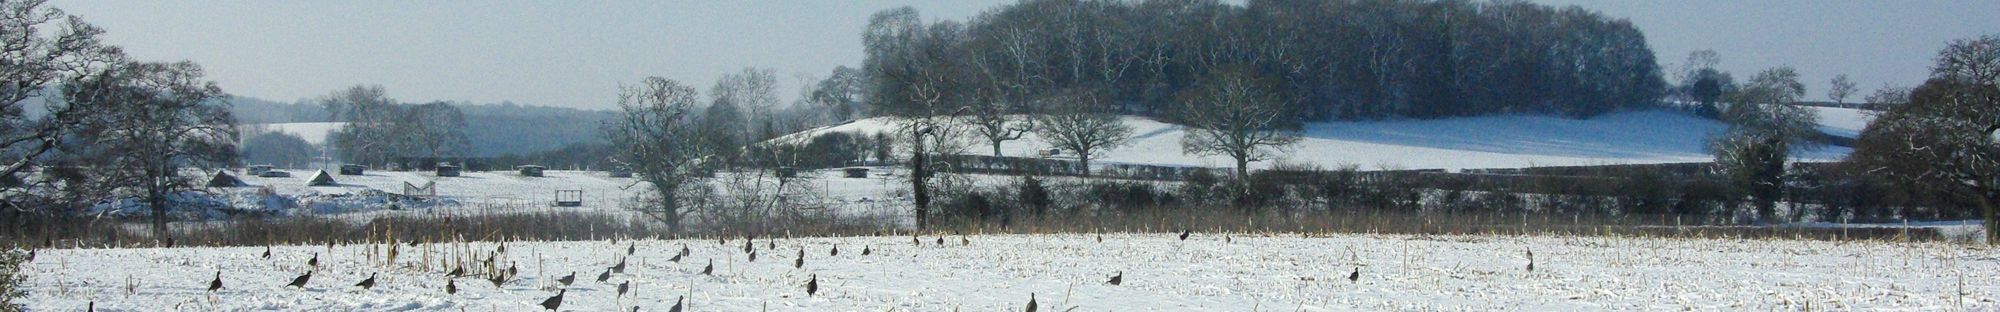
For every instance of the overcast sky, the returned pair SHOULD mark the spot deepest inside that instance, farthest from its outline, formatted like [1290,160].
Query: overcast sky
[575,53]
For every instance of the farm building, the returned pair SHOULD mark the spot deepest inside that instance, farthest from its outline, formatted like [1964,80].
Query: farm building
[448,170]
[224,179]
[321,178]
[352,169]
[531,170]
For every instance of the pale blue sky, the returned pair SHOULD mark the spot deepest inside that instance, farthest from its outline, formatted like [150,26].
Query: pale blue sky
[574,53]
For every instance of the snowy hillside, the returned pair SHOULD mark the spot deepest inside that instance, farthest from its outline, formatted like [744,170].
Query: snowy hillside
[1843,122]
[1208,272]
[1458,143]
[313,132]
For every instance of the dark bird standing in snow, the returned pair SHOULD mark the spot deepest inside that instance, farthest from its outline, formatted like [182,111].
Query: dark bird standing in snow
[677,304]
[498,279]
[1531,260]
[456,272]
[214,285]
[624,287]
[554,302]
[566,280]
[748,248]
[367,283]
[632,249]
[940,241]
[450,287]
[314,262]
[1354,277]
[835,252]
[710,269]
[676,258]
[962,241]
[864,250]
[604,277]
[914,241]
[753,256]
[800,263]
[1184,234]
[812,286]
[1117,279]
[684,250]
[1031,302]
[513,268]
[300,281]
[620,268]
[267,252]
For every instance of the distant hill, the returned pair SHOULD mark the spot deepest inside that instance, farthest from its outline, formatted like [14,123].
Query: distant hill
[494,129]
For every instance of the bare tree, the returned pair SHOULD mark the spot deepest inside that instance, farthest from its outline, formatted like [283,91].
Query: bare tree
[372,119]
[754,91]
[1238,116]
[437,129]
[1943,138]
[44,47]
[1840,88]
[1083,123]
[157,119]
[1886,97]
[655,138]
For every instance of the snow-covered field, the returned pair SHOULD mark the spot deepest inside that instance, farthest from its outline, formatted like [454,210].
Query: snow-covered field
[1207,272]
[1459,143]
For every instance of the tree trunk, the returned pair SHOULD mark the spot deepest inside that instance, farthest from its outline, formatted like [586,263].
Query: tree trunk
[158,201]
[1990,219]
[1243,176]
[670,211]
[996,149]
[920,192]
[1083,158]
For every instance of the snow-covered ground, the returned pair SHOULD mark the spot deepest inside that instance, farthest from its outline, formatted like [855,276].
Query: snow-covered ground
[1843,122]
[1207,272]
[1459,143]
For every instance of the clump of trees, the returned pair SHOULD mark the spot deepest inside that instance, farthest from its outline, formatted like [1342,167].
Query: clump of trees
[279,148]
[1765,125]
[379,129]
[138,126]
[1942,140]
[1326,59]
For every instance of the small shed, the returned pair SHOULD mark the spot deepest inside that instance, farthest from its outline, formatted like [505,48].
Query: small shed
[856,172]
[352,169]
[569,198]
[321,178]
[448,170]
[258,170]
[621,173]
[531,170]
[224,179]
[275,174]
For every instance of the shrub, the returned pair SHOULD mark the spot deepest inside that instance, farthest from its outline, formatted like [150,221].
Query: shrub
[11,279]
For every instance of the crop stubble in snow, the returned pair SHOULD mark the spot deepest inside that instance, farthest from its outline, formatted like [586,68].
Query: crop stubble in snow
[996,272]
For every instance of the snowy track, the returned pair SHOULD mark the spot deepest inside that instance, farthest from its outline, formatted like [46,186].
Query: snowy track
[994,273]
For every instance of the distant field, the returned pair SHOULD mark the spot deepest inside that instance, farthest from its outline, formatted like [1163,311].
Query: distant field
[1207,272]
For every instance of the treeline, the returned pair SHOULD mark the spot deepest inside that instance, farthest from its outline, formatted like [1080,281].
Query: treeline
[490,130]
[1343,59]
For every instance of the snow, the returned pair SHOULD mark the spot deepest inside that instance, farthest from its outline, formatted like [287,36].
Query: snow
[1843,122]
[313,132]
[1510,141]
[1208,272]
